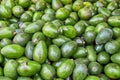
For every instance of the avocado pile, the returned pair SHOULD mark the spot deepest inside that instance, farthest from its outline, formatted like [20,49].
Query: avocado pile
[59,39]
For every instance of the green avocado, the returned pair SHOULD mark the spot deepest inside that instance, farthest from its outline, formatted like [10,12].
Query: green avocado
[28,68]
[112,47]
[12,51]
[50,30]
[47,72]
[66,68]
[104,36]
[97,19]
[80,72]
[115,73]
[10,69]
[115,58]
[5,11]
[114,21]
[68,49]
[54,53]
[40,52]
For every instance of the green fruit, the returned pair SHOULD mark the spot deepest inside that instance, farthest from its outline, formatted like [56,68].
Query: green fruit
[97,19]
[60,40]
[112,70]
[74,16]
[25,17]
[81,52]
[104,11]
[24,3]
[68,49]
[112,5]
[28,68]
[70,21]
[34,27]
[21,39]
[66,1]
[54,53]
[40,5]
[12,51]
[92,78]
[77,5]
[95,68]
[112,47]
[5,42]
[47,72]
[80,27]
[62,13]
[89,37]
[114,21]
[56,4]
[37,16]
[103,57]
[4,24]
[80,72]
[68,30]
[10,69]
[99,48]
[17,10]
[29,50]
[5,11]
[68,7]
[9,3]
[103,36]
[38,36]
[85,13]
[92,56]
[6,32]
[101,26]
[40,52]
[65,69]
[50,30]
[115,58]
